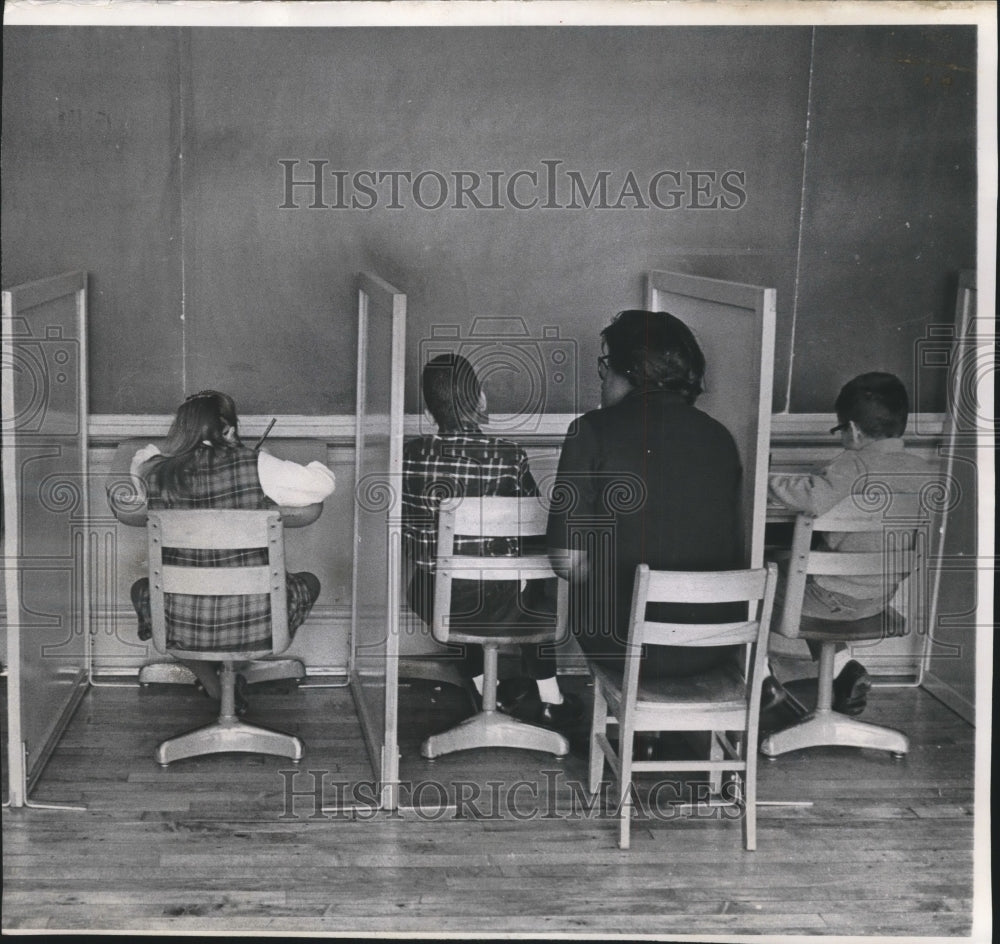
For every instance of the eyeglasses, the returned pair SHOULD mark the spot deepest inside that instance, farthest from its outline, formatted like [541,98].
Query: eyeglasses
[840,427]
[602,366]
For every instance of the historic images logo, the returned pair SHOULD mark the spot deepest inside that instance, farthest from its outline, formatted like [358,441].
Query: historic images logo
[551,186]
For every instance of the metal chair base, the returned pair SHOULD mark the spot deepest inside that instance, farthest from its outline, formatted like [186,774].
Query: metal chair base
[493,729]
[830,728]
[229,735]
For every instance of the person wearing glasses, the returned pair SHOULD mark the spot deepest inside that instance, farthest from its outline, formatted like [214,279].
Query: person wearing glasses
[647,478]
[872,410]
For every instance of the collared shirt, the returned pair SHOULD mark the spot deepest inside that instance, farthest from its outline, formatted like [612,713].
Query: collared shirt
[455,463]
[878,474]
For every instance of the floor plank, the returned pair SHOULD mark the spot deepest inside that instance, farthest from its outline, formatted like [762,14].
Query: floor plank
[217,845]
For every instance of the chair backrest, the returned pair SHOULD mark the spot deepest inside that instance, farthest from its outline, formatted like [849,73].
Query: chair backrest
[902,554]
[220,530]
[755,588]
[490,518]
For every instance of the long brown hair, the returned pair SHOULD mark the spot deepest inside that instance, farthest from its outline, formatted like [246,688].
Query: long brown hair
[201,423]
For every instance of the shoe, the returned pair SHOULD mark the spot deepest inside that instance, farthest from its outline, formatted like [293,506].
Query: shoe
[772,694]
[851,688]
[562,717]
[512,691]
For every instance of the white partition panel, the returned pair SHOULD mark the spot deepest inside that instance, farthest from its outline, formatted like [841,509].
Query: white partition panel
[948,667]
[375,598]
[45,516]
[734,325]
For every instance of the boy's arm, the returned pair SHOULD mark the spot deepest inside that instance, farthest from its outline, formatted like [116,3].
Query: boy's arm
[818,492]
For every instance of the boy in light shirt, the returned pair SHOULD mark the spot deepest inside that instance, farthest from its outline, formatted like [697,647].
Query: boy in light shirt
[872,410]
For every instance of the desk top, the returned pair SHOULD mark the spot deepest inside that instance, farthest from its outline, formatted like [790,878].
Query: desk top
[126,507]
[776,513]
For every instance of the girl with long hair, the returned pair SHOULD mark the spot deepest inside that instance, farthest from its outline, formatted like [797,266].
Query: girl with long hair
[204,464]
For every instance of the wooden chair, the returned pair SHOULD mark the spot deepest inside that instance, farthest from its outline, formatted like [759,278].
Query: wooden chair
[492,518]
[129,506]
[218,530]
[724,701]
[902,555]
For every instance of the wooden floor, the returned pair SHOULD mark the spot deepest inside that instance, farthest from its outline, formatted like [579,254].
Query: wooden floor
[216,845]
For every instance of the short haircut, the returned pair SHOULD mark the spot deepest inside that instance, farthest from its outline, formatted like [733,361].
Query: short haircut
[452,391]
[876,402]
[655,350]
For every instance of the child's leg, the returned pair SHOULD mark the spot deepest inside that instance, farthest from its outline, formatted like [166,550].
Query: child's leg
[140,601]
[790,659]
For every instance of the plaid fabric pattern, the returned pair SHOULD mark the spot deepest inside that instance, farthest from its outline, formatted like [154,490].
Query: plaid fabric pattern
[222,478]
[455,464]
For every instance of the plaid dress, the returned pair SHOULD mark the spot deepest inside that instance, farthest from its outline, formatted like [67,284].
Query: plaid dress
[221,478]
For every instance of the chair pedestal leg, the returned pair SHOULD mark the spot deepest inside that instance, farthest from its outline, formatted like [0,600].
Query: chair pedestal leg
[831,729]
[492,729]
[828,728]
[489,728]
[229,735]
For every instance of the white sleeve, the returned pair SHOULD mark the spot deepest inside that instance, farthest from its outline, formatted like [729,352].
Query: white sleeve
[291,484]
[143,455]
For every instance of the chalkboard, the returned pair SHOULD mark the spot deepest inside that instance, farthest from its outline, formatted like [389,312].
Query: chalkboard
[837,165]
[888,206]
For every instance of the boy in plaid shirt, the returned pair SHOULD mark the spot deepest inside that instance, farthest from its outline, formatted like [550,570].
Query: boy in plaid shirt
[461,460]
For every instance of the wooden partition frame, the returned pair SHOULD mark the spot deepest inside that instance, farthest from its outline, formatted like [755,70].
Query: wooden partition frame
[46,518]
[734,325]
[947,667]
[377,559]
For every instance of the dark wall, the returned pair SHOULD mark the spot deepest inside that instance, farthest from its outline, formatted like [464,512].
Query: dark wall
[889,204]
[91,181]
[150,157]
